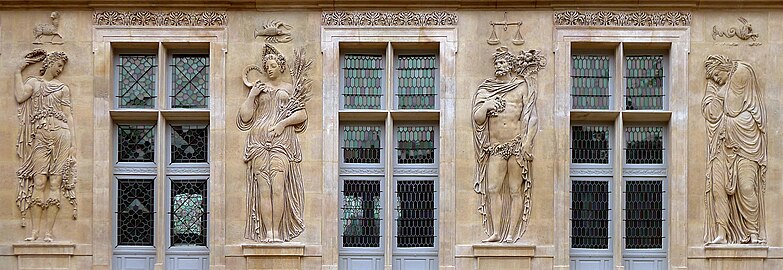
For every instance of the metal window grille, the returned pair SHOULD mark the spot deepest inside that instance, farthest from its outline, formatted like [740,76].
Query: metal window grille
[190,81]
[136,81]
[416,81]
[362,213]
[590,214]
[188,213]
[590,144]
[135,212]
[363,81]
[362,144]
[415,144]
[644,82]
[644,214]
[135,143]
[415,213]
[644,145]
[189,143]
[590,82]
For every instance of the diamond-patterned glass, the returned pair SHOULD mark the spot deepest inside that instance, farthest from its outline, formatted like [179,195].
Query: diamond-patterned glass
[190,81]
[644,145]
[135,212]
[416,214]
[644,82]
[643,214]
[590,214]
[362,144]
[362,81]
[136,81]
[136,143]
[590,82]
[188,213]
[415,144]
[189,143]
[590,144]
[416,81]
[362,213]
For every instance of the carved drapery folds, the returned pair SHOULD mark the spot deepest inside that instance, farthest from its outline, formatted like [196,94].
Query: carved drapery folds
[158,18]
[619,18]
[505,122]
[733,107]
[380,18]
[273,114]
[46,145]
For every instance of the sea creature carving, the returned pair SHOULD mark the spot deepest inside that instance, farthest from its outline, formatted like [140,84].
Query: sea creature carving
[744,32]
[275,32]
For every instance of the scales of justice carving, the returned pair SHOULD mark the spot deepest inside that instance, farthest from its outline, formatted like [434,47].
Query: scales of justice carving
[744,32]
[46,145]
[273,114]
[275,32]
[733,106]
[48,30]
[505,122]
[493,37]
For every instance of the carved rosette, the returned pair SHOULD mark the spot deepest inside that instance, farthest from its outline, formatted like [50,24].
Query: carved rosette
[618,18]
[380,18]
[156,18]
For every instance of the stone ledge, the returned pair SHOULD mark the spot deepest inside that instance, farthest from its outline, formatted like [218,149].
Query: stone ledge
[37,248]
[276,250]
[736,251]
[503,250]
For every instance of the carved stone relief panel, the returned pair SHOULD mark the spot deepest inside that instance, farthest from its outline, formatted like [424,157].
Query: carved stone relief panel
[159,18]
[46,145]
[505,122]
[273,114]
[622,18]
[744,32]
[275,32]
[733,107]
[48,31]
[378,18]
[505,23]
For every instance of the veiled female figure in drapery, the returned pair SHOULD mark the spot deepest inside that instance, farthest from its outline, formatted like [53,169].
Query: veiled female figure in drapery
[273,114]
[733,106]
[45,144]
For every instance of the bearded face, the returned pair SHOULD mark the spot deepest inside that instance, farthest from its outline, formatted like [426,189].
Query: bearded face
[502,66]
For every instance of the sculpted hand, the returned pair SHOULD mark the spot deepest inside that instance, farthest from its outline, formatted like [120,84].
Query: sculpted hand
[26,63]
[276,130]
[258,88]
[491,105]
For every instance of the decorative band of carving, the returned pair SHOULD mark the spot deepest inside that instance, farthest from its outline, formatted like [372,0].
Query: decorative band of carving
[619,18]
[361,171]
[382,18]
[644,172]
[591,171]
[158,18]
[187,170]
[135,170]
[416,171]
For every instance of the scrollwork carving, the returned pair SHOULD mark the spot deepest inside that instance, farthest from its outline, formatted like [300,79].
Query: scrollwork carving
[382,18]
[157,18]
[619,18]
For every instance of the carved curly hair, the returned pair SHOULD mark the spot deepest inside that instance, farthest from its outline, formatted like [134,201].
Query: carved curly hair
[51,58]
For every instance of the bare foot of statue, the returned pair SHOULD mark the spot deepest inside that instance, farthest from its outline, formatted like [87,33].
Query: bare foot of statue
[48,237]
[754,239]
[508,239]
[33,236]
[493,238]
[718,240]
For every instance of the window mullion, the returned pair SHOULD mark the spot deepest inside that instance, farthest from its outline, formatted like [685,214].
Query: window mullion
[617,186]
[619,80]
[390,230]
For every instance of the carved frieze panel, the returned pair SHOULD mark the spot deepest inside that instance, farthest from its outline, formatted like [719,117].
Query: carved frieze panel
[48,32]
[159,18]
[622,18]
[383,18]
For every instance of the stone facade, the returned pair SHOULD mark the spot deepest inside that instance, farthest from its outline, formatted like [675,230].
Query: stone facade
[462,37]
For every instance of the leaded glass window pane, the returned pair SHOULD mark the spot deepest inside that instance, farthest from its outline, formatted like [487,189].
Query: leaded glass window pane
[189,143]
[643,214]
[190,81]
[415,214]
[361,144]
[644,145]
[363,81]
[136,143]
[644,82]
[590,214]
[590,82]
[188,213]
[415,144]
[362,213]
[416,81]
[135,212]
[590,144]
[136,81]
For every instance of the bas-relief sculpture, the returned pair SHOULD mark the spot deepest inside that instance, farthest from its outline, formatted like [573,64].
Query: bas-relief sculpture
[159,18]
[493,37]
[48,30]
[272,114]
[744,32]
[505,123]
[46,144]
[382,18]
[275,32]
[622,18]
[733,106]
